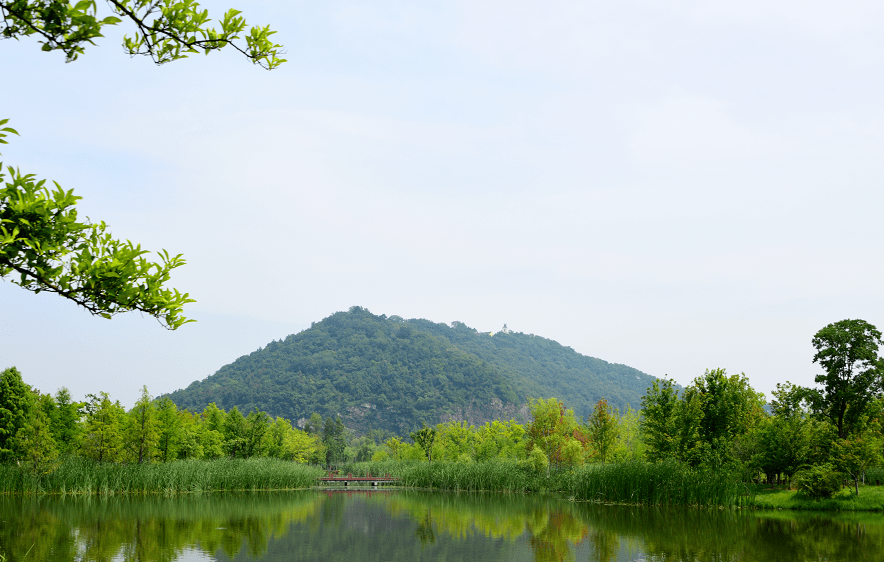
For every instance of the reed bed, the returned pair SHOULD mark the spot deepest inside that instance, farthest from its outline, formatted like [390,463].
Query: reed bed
[667,483]
[80,476]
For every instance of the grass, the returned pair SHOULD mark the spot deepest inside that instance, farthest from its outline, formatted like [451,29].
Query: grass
[80,476]
[870,499]
[669,483]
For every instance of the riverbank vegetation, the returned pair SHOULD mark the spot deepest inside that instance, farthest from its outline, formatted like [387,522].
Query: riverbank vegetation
[712,443]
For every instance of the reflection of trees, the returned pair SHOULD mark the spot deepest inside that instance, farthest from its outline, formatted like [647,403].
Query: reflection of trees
[424,532]
[160,529]
[145,529]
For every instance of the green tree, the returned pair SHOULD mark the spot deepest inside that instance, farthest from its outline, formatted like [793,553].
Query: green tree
[16,403]
[554,430]
[848,351]
[658,419]
[856,454]
[35,444]
[257,426]
[141,432]
[333,439]
[102,432]
[424,438]
[168,430]
[603,429]
[66,423]
[211,431]
[235,431]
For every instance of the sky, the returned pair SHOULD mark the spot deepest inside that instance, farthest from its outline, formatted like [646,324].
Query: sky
[674,186]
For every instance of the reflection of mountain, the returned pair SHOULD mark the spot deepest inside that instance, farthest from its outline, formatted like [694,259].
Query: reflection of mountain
[389,373]
[400,525]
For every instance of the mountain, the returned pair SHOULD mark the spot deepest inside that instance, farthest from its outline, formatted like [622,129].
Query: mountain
[382,372]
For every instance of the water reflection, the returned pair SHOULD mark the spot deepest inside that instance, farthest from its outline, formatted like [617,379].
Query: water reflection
[358,526]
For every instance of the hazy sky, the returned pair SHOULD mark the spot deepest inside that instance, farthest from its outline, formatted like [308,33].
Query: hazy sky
[673,186]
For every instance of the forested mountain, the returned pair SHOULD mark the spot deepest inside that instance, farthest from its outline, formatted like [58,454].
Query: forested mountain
[382,372]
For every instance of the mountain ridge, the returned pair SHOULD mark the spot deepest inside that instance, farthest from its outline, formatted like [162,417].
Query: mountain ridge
[380,372]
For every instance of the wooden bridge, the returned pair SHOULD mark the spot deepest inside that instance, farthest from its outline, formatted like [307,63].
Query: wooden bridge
[333,478]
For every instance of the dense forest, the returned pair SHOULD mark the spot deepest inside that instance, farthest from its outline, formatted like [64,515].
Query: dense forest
[380,372]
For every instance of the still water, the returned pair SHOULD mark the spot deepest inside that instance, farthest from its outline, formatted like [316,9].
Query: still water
[393,525]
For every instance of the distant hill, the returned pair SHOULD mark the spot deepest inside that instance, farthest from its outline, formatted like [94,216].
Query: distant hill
[382,372]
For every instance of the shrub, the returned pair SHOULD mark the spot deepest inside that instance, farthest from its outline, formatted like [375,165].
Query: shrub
[818,482]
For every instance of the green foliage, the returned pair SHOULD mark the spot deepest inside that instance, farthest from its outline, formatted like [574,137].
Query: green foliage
[168,430]
[848,351]
[388,374]
[235,431]
[65,422]
[35,444]
[16,403]
[141,429]
[175,29]
[603,429]
[854,455]
[45,248]
[818,482]
[701,426]
[424,438]
[333,440]
[554,430]
[658,423]
[102,430]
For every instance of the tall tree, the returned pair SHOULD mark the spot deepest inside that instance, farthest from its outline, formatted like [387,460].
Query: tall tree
[848,351]
[658,422]
[424,438]
[34,442]
[168,430]
[235,434]
[603,428]
[102,435]
[16,403]
[141,433]
[66,425]
[333,439]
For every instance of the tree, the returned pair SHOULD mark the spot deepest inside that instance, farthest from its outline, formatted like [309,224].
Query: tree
[333,439]
[603,428]
[854,455]
[658,419]
[43,247]
[235,430]
[168,430]
[848,351]
[37,448]
[66,423]
[101,435]
[424,438]
[16,403]
[554,430]
[141,433]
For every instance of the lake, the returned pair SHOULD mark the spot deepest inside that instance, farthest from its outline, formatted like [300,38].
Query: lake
[393,525]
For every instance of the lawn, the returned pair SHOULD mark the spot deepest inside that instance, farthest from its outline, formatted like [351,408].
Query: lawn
[777,497]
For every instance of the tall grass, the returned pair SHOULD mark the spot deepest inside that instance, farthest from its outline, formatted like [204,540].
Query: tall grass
[77,475]
[667,483]
[502,476]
